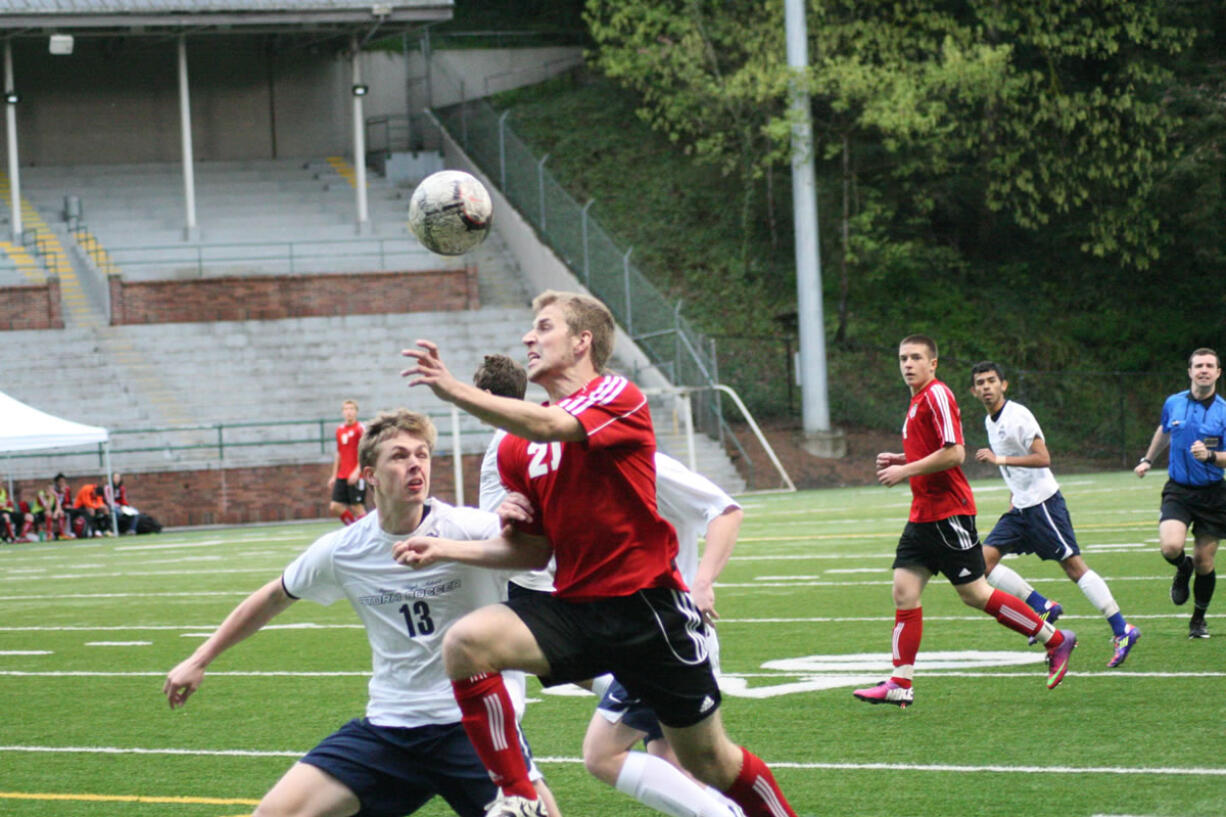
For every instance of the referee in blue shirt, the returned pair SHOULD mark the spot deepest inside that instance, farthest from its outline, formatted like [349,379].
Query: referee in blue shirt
[1194,426]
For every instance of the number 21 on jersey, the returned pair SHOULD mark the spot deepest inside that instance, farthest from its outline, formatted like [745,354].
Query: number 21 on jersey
[546,457]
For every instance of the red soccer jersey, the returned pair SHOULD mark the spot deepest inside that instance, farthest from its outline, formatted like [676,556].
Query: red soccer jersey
[596,499]
[933,422]
[347,439]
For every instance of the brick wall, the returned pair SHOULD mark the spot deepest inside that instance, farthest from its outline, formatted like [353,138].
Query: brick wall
[291,296]
[234,496]
[31,306]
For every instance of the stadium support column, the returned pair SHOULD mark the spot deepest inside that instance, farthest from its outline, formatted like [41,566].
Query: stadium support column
[191,232]
[359,140]
[10,127]
[820,439]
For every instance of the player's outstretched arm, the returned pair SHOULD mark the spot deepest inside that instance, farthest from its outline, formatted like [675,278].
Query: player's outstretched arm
[942,459]
[519,552]
[531,422]
[247,618]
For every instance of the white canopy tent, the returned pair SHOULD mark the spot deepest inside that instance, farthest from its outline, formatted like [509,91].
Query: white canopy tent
[25,428]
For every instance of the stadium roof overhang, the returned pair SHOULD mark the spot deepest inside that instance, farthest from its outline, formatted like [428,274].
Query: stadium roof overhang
[322,19]
[297,22]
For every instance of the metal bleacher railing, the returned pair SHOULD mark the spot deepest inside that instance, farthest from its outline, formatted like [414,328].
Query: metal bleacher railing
[270,256]
[681,353]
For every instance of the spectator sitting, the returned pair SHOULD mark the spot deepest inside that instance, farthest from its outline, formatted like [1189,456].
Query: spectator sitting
[126,516]
[15,516]
[96,513]
[50,514]
[77,518]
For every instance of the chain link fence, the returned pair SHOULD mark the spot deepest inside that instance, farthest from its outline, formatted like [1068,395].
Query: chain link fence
[606,268]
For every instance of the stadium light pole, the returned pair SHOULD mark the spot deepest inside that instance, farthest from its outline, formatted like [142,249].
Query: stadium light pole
[820,439]
[359,140]
[191,231]
[10,127]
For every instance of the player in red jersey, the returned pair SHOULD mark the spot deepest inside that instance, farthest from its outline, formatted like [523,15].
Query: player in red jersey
[586,462]
[345,483]
[940,534]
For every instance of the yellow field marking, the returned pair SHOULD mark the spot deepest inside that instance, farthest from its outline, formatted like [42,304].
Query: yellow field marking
[130,798]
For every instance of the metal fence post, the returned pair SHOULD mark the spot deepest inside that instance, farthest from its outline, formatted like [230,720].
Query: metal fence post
[323,447]
[502,149]
[626,287]
[463,116]
[587,265]
[221,446]
[540,181]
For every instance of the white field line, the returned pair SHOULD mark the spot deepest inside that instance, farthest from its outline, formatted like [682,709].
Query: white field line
[119,643]
[806,582]
[203,543]
[185,596]
[783,764]
[127,573]
[309,625]
[778,674]
[26,652]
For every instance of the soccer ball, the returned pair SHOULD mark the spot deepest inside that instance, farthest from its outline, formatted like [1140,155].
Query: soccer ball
[450,212]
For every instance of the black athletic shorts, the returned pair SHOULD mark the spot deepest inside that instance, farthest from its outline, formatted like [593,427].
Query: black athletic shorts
[347,494]
[1204,505]
[950,546]
[652,641]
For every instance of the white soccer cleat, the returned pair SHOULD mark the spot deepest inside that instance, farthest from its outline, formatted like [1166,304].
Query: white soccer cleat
[515,806]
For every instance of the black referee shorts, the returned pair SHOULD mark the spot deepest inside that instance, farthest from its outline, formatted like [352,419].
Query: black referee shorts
[652,641]
[1202,506]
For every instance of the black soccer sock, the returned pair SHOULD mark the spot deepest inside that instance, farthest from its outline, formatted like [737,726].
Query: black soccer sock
[1202,591]
[1178,560]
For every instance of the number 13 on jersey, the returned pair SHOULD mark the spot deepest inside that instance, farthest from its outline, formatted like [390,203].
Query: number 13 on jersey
[546,457]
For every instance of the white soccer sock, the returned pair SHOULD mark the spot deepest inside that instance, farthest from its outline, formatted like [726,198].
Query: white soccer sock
[1007,579]
[658,784]
[1098,593]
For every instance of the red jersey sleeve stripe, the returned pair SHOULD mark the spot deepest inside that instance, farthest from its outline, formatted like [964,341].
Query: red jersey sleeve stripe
[938,398]
[593,431]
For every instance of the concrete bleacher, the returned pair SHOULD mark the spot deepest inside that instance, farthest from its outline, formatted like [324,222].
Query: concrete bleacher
[248,214]
[291,373]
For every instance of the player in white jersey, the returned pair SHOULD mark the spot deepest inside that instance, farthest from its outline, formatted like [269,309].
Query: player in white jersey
[1038,520]
[695,507]
[410,745]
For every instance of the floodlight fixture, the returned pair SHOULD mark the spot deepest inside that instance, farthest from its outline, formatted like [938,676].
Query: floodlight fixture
[12,97]
[60,44]
[360,90]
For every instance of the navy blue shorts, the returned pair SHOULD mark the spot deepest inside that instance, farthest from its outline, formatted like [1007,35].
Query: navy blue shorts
[394,771]
[619,706]
[1044,530]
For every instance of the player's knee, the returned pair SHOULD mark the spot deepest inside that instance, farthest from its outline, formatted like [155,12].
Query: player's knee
[465,652]
[600,765]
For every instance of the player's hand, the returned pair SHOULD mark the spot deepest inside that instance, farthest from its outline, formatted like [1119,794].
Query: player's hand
[1200,451]
[704,599]
[885,459]
[418,551]
[428,369]
[1142,469]
[891,475]
[182,681]
[331,481]
[352,480]
[985,455]
[515,507]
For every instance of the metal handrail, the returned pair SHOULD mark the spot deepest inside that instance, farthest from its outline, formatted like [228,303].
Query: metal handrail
[287,251]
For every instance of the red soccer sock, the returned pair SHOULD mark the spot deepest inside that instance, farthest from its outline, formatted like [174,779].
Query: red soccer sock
[489,720]
[348,518]
[756,791]
[27,525]
[908,631]
[1014,614]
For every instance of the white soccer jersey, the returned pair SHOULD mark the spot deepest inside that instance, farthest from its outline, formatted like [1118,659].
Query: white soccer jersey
[1011,434]
[405,611]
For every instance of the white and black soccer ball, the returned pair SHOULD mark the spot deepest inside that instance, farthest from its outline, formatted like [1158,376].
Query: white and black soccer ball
[450,212]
